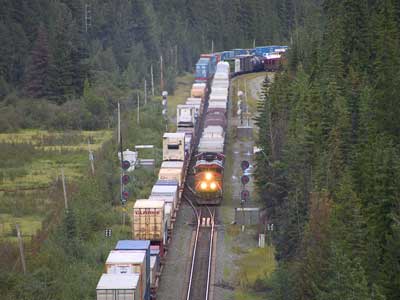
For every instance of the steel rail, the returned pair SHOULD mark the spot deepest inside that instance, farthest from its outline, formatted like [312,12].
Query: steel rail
[212,215]
[198,215]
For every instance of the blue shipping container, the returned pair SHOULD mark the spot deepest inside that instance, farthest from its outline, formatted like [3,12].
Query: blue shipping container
[237,52]
[138,245]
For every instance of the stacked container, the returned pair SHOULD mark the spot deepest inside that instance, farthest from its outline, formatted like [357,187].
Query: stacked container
[135,246]
[118,287]
[172,170]
[129,262]
[149,222]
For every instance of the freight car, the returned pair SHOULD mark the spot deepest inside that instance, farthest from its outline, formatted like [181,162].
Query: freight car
[132,269]
[209,166]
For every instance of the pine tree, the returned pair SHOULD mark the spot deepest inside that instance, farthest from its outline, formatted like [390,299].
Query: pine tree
[37,70]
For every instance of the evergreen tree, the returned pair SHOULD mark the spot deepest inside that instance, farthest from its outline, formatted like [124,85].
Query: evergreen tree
[37,71]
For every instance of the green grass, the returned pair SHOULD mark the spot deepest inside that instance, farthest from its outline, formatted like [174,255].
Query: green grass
[181,93]
[53,150]
[257,263]
[32,160]
[240,295]
[28,225]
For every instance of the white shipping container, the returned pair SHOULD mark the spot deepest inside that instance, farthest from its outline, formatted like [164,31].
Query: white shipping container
[154,269]
[213,145]
[213,132]
[118,287]
[219,91]
[237,65]
[128,262]
[172,164]
[174,146]
[170,192]
[217,104]
[171,200]
[148,220]
[171,170]
[186,115]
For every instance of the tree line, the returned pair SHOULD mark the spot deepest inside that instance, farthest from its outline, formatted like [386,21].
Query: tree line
[48,49]
[329,167]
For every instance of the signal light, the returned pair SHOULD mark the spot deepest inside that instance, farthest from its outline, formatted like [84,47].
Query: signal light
[203,185]
[213,185]
[125,179]
[209,176]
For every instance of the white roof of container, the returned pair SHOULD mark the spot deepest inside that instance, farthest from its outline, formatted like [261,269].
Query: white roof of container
[272,56]
[157,189]
[214,128]
[166,199]
[173,164]
[219,90]
[125,257]
[118,281]
[193,99]
[217,104]
[199,85]
[174,135]
[184,106]
[148,204]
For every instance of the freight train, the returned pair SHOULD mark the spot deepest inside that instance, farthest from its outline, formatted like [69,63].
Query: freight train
[132,269]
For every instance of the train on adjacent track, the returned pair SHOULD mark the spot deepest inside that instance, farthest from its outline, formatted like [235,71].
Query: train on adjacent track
[193,164]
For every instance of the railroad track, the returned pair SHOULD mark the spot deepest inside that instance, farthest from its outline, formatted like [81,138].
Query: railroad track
[201,259]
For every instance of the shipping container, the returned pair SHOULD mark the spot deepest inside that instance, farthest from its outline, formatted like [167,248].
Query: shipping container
[171,170]
[118,287]
[237,65]
[148,220]
[168,209]
[198,90]
[134,245]
[129,262]
[174,146]
[211,145]
[186,115]
[217,104]
[154,269]
[168,191]
[237,52]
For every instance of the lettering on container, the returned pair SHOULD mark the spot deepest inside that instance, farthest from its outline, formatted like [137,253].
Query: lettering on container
[147,212]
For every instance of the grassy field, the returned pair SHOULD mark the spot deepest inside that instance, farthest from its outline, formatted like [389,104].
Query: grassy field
[181,93]
[30,162]
[32,159]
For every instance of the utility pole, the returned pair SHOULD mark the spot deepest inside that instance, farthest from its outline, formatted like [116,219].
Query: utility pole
[145,92]
[21,249]
[152,80]
[138,110]
[212,46]
[88,17]
[91,157]
[119,124]
[254,43]
[161,74]
[120,147]
[64,189]
[176,57]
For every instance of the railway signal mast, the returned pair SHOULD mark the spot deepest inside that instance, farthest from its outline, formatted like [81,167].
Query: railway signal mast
[165,108]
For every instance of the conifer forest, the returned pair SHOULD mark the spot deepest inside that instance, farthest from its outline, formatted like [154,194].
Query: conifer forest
[328,169]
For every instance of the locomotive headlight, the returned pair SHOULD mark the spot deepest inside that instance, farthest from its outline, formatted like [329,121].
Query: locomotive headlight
[209,176]
[203,185]
[213,185]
